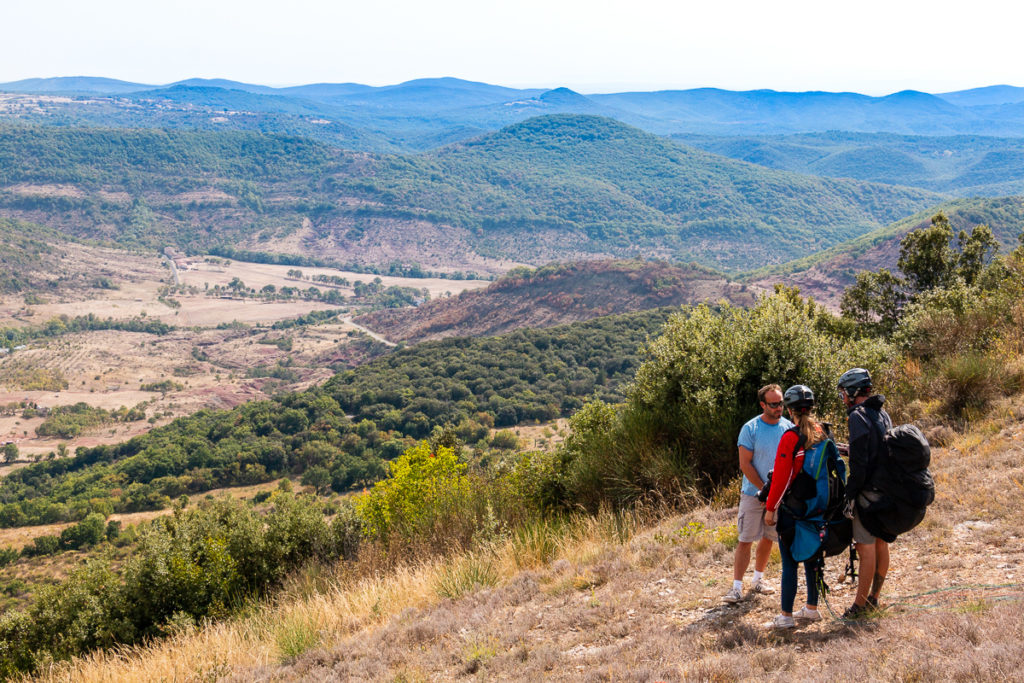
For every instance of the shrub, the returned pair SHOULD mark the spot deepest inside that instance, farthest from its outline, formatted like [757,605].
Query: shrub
[424,493]
[88,532]
[695,390]
[8,556]
[505,439]
[968,383]
[42,545]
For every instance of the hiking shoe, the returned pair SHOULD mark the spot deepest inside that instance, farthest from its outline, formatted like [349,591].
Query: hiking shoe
[761,586]
[733,596]
[856,611]
[872,602]
[808,614]
[782,621]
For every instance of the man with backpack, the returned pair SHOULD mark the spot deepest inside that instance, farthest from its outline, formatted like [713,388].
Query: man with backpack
[758,441]
[868,424]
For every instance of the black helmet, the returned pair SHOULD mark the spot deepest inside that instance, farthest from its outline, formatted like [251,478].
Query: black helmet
[798,397]
[852,381]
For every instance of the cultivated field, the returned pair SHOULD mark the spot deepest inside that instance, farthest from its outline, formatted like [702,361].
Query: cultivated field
[219,355]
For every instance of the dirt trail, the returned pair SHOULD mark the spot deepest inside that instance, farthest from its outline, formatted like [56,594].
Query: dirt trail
[371,333]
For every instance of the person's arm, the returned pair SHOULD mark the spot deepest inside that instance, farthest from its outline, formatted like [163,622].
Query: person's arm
[783,470]
[747,467]
[858,448]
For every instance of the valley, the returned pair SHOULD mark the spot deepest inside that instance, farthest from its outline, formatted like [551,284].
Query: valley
[220,348]
[290,375]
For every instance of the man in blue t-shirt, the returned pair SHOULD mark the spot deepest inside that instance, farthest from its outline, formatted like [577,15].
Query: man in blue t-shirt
[758,442]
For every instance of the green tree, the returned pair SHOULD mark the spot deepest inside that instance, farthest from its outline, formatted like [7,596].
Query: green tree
[926,258]
[10,452]
[318,477]
[876,300]
[976,252]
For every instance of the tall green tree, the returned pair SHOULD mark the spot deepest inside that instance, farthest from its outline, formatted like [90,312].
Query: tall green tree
[926,257]
[876,300]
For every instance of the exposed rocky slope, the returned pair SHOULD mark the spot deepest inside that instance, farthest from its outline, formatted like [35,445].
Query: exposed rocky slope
[555,295]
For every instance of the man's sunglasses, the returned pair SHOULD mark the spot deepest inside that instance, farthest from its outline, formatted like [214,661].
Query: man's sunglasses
[773,404]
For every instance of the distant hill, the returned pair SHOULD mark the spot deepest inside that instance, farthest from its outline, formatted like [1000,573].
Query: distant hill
[555,295]
[73,85]
[420,114]
[825,275]
[993,94]
[566,184]
[963,165]
[557,188]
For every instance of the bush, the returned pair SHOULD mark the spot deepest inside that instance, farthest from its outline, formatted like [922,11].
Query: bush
[694,391]
[8,556]
[424,493]
[88,532]
[42,545]
[968,383]
[505,439]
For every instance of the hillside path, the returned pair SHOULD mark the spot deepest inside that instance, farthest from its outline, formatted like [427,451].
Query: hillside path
[369,332]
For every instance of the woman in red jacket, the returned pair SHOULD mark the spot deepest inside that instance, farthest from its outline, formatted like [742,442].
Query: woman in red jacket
[799,401]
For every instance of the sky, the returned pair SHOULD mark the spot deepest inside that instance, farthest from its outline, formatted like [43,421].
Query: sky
[874,47]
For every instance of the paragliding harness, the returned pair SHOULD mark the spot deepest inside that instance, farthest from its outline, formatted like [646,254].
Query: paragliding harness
[905,485]
[814,501]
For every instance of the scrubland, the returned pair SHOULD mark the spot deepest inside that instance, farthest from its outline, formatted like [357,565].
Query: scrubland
[636,597]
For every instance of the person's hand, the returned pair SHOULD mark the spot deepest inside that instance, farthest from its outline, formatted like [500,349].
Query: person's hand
[769,517]
[848,510]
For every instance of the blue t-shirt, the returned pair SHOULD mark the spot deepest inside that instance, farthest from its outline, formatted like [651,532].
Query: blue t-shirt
[762,438]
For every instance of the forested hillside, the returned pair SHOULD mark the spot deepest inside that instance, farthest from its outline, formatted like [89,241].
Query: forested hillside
[652,430]
[347,427]
[962,165]
[550,188]
[826,274]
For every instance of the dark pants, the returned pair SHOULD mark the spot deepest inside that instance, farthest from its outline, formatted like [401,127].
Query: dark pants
[789,570]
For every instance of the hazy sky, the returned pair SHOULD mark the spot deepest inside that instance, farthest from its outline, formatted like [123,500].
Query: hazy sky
[873,46]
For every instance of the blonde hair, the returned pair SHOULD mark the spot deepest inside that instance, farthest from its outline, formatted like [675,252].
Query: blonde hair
[810,429]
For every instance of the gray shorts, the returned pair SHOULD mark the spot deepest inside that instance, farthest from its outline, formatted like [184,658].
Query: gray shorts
[750,521]
[860,534]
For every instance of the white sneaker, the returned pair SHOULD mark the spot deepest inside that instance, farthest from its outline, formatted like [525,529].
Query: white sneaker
[809,614]
[782,621]
[734,595]
[761,586]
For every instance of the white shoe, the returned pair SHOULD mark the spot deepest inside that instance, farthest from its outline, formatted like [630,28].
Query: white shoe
[809,614]
[761,586]
[734,595]
[782,621]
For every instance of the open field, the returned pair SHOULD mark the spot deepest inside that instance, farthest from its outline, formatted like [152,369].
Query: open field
[216,358]
[136,280]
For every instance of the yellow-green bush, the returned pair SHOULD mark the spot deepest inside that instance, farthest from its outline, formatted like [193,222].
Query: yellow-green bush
[423,493]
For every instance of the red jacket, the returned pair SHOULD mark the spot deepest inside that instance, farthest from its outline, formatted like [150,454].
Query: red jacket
[786,467]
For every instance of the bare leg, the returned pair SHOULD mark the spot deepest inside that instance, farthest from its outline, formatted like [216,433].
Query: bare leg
[866,552]
[881,568]
[741,560]
[761,555]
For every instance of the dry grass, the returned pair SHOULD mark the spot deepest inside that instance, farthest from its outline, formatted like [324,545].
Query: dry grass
[636,598]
